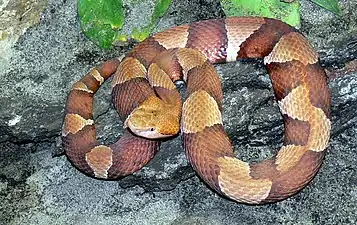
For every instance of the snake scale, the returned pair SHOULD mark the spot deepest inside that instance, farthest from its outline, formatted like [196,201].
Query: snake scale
[147,101]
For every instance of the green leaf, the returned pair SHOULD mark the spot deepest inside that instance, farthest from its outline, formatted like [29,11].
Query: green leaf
[161,7]
[100,20]
[330,5]
[140,34]
[287,12]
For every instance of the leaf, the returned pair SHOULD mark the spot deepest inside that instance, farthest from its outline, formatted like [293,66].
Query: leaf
[287,12]
[330,5]
[100,20]
[161,7]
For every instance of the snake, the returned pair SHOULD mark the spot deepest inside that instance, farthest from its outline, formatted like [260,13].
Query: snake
[151,108]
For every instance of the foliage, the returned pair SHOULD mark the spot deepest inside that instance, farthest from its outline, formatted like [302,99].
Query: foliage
[330,5]
[160,9]
[287,12]
[101,19]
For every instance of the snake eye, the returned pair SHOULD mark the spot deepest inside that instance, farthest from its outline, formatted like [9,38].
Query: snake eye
[151,129]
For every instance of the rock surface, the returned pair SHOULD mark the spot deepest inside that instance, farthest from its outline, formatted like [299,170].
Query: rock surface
[37,188]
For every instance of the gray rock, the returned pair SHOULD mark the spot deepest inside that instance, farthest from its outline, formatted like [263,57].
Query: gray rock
[37,188]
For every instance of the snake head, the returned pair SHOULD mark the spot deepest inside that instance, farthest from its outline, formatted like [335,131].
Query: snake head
[154,119]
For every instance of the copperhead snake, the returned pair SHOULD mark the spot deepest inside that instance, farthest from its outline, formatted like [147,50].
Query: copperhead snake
[146,99]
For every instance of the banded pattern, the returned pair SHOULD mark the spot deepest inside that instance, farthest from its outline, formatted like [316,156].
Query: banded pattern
[146,100]
[79,136]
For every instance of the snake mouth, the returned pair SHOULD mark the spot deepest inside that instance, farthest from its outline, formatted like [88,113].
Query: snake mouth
[147,132]
[150,133]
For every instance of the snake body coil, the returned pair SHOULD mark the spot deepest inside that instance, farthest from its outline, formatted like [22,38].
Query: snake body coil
[141,89]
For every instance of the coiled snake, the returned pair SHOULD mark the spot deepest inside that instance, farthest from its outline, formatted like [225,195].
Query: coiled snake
[150,106]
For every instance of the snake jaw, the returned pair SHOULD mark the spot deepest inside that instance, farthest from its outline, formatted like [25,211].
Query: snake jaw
[158,129]
[150,133]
